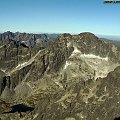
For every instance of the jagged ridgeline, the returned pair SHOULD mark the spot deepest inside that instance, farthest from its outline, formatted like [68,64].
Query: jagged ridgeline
[71,77]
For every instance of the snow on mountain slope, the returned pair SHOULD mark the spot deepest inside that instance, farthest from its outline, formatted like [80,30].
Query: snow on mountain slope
[67,64]
[76,51]
[88,65]
[92,56]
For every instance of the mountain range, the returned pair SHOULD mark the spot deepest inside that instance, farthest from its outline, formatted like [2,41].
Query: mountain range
[66,77]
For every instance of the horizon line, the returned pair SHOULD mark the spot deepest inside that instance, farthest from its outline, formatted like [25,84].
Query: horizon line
[62,33]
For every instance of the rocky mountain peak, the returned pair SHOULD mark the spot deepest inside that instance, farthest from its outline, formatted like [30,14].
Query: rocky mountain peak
[87,33]
[88,43]
[66,35]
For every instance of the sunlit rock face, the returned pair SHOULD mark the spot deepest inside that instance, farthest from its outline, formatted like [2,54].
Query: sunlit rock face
[88,65]
[74,77]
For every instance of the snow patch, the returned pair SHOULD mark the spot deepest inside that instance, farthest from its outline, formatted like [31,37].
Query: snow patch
[76,51]
[20,65]
[92,56]
[59,84]
[68,44]
[35,116]
[3,70]
[67,64]
[1,46]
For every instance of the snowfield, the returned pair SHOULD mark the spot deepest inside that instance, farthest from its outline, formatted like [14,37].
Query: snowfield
[101,66]
[92,56]
[67,64]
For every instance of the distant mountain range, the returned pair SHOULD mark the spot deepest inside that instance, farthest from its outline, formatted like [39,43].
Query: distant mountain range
[55,35]
[115,42]
[110,37]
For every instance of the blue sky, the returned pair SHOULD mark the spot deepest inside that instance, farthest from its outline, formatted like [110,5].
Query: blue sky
[59,16]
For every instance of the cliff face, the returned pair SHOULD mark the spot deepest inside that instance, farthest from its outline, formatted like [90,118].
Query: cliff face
[21,63]
[24,39]
[70,78]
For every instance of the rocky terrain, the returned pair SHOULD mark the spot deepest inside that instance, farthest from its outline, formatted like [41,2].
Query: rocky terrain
[75,77]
